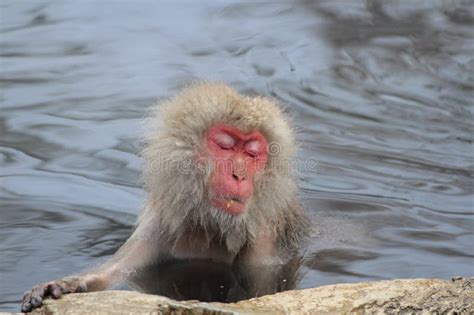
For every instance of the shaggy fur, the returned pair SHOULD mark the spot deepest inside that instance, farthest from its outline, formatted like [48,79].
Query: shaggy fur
[178,168]
[177,183]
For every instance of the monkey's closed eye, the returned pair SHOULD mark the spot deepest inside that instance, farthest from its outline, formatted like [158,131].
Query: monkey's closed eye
[224,141]
[253,148]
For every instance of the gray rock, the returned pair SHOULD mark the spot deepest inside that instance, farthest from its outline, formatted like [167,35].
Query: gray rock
[415,296]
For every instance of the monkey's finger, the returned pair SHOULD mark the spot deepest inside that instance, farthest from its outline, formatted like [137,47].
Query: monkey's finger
[26,307]
[27,296]
[38,290]
[37,295]
[55,291]
[36,301]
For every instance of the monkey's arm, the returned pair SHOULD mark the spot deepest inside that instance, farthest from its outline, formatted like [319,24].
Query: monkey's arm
[264,268]
[262,252]
[135,253]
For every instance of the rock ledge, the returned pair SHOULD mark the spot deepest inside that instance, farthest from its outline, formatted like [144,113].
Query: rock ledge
[389,297]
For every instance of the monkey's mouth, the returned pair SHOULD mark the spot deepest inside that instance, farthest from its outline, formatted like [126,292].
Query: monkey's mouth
[236,199]
[231,204]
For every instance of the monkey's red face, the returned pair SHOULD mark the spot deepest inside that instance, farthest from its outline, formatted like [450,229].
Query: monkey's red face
[237,158]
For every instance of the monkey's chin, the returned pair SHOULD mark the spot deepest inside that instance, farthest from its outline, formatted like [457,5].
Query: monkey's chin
[230,206]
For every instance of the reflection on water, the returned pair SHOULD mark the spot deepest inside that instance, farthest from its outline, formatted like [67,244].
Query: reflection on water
[381,92]
[209,281]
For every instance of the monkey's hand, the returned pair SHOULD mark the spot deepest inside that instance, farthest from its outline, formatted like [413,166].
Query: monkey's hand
[34,298]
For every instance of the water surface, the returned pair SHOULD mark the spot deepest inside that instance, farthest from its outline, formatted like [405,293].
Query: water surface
[381,93]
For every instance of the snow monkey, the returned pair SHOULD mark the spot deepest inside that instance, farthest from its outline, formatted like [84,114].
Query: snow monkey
[219,186]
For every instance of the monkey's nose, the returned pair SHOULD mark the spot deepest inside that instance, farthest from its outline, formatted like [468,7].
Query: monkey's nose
[238,177]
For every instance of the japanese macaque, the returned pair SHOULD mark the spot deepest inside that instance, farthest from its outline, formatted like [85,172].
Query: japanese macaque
[220,189]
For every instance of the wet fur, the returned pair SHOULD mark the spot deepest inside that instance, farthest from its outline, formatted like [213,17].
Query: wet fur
[177,184]
[177,209]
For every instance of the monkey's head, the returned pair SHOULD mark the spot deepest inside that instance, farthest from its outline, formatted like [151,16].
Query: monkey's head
[220,161]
